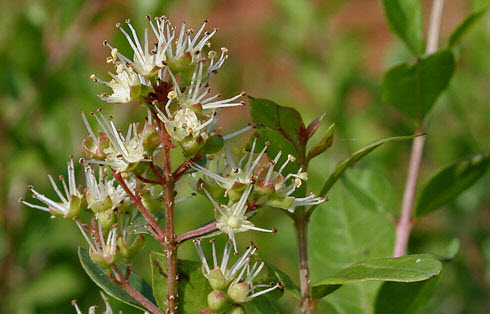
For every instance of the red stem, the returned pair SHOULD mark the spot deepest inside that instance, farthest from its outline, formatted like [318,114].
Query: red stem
[149,181]
[196,232]
[124,283]
[144,211]
[206,311]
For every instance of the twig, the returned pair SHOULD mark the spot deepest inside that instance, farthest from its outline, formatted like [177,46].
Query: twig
[124,283]
[307,305]
[144,211]
[404,226]
[196,232]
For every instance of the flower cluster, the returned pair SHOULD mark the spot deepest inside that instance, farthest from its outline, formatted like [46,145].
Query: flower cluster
[238,280]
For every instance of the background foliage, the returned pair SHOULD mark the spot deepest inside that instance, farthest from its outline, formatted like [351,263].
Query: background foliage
[316,56]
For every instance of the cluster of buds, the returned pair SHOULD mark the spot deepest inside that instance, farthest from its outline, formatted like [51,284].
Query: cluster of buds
[236,284]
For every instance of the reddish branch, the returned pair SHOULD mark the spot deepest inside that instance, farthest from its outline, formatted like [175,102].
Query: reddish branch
[159,233]
[196,232]
[123,282]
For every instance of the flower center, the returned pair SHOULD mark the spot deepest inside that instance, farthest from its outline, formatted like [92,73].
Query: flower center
[233,222]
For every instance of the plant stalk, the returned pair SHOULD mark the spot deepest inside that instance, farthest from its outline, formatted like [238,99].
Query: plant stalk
[404,226]
[170,238]
[307,305]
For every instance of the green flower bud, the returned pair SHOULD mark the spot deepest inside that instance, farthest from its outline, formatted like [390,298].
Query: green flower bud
[106,218]
[104,260]
[99,206]
[74,210]
[236,309]
[128,250]
[192,146]
[279,201]
[235,193]
[180,64]
[264,189]
[238,292]
[151,140]
[216,279]
[217,300]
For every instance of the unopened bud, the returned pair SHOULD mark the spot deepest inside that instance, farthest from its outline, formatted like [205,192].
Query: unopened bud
[235,309]
[216,279]
[238,292]
[217,300]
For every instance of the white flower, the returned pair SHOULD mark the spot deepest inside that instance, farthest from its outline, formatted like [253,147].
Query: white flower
[103,247]
[124,153]
[126,85]
[234,175]
[231,218]
[70,202]
[93,309]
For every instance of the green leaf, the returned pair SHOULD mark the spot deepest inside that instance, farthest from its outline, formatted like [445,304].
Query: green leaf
[100,277]
[404,297]
[450,181]
[280,125]
[465,27]
[405,20]
[289,284]
[193,287]
[408,268]
[343,166]
[263,304]
[323,144]
[345,232]
[413,89]
[372,189]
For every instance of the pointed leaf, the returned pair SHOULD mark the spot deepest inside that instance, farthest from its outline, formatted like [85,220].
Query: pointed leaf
[193,287]
[465,27]
[314,125]
[405,20]
[289,284]
[404,297]
[449,182]
[100,277]
[323,144]
[286,123]
[413,89]
[345,232]
[343,166]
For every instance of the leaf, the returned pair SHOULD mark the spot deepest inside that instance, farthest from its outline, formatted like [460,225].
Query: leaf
[449,182]
[289,284]
[100,277]
[413,89]
[372,189]
[323,144]
[286,123]
[345,232]
[409,268]
[405,20]
[404,297]
[451,251]
[193,287]
[344,165]
[465,27]
[261,305]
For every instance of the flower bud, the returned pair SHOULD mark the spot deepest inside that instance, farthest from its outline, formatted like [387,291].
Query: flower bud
[74,209]
[105,260]
[235,193]
[192,145]
[236,309]
[180,64]
[128,250]
[106,218]
[279,201]
[216,279]
[98,206]
[263,188]
[151,140]
[238,292]
[217,300]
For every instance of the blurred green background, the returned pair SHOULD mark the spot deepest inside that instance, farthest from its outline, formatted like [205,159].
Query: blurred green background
[317,56]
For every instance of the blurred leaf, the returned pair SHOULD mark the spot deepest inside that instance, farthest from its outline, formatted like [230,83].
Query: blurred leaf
[193,287]
[405,20]
[289,284]
[447,183]
[261,305]
[100,277]
[323,144]
[345,232]
[451,250]
[343,166]
[413,89]
[404,297]
[370,188]
[285,122]
[314,125]
[465,27]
